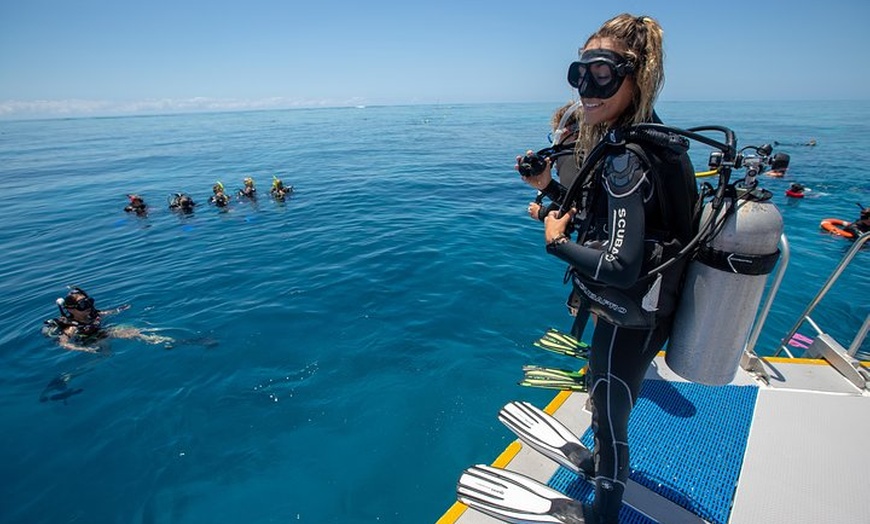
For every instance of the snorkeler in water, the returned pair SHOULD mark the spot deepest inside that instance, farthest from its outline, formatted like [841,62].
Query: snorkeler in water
[279,191]
[80,324]
[249,191]
[136,205]
[219,198]
[809,143]
[181,202]
[862,224]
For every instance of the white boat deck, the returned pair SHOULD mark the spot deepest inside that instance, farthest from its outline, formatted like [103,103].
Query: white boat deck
[805,459]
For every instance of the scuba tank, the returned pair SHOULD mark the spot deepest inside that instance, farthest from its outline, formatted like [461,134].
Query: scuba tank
[725,280]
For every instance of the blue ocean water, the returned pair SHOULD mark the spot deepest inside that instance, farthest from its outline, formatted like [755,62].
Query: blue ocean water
[344,353]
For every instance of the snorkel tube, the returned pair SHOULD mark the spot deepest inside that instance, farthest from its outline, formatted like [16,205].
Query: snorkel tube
[533,164]
[563,123]
[60,307]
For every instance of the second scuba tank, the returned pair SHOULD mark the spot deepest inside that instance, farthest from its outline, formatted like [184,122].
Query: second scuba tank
[723,289]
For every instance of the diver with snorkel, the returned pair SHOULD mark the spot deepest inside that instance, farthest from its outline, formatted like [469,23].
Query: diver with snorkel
[80,324]
[279,191]
[219,197]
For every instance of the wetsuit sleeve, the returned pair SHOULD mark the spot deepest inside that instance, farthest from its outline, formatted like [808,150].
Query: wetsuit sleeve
[545,210]
[617,261]
[555,192]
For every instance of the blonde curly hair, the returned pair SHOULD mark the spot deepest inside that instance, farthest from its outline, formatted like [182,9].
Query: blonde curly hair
[642,40]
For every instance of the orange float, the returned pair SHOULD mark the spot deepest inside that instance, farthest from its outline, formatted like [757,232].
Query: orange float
[837,227]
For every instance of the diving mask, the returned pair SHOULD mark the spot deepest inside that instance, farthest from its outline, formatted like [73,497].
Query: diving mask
[82,304]
[599,73]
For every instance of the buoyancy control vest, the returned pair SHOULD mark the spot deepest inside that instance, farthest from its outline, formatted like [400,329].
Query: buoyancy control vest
[666,177]
[83,330]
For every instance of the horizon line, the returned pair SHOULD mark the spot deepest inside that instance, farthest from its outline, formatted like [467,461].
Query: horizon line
[12,110]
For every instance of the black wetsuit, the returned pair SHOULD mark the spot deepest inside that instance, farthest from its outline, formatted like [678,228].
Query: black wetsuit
[182,202]
[219,199]
[137,207]
[862,225]
[634,226]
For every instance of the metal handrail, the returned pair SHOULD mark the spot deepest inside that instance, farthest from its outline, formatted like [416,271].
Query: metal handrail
[805,316]
[859,338]
[785,257]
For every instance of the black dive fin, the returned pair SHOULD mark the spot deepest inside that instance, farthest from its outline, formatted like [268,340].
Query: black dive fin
[549,437]
[512,497]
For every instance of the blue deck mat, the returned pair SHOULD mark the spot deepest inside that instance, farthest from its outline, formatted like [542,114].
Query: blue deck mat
[686,443]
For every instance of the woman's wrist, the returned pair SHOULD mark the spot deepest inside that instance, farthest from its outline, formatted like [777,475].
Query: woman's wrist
[558,240]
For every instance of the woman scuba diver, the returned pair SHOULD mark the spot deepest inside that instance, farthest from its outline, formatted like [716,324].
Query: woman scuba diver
[80,324]
[638,211]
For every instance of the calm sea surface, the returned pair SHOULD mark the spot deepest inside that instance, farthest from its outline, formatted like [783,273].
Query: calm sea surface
[343,355]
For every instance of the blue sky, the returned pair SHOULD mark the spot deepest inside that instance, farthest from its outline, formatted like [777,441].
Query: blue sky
[68,57]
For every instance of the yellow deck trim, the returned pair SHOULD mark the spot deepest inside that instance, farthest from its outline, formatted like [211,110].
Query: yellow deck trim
[452,515]
[806,361]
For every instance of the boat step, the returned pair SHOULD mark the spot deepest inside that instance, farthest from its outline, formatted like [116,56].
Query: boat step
[826,347]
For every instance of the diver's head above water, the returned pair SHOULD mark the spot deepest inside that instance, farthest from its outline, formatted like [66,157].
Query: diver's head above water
[137,205]
[182,202]
[78,305]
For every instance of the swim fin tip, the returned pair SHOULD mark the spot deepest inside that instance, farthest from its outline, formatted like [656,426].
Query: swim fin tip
[549,437]
[512,497]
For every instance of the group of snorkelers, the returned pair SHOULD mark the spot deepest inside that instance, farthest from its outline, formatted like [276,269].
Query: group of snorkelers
[182,202]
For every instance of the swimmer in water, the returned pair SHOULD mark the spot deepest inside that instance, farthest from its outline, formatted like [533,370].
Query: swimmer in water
[181,202]
[219,198]
[80,324]
[279,191]
[136,205]
[249,191]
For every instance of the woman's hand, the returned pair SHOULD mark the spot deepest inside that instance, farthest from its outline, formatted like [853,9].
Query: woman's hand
[556,226]
[534,210]
[542,179]
[107,312]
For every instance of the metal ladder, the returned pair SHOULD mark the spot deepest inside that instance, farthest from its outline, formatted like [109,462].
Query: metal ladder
[823,345]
